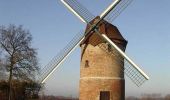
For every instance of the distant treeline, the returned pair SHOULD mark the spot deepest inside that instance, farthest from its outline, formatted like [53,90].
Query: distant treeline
[150,97]
[22,90]
[56,98]
[143,97]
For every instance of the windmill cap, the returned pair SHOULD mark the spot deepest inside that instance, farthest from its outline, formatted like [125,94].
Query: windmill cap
[104,28]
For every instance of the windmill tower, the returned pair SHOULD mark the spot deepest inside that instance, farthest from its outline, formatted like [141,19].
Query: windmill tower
[103,58]
[101,74]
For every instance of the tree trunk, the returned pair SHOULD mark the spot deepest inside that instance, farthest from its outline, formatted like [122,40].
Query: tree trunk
[9,83]
[10,78]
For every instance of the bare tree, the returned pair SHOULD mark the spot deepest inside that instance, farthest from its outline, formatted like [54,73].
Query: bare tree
[17,55]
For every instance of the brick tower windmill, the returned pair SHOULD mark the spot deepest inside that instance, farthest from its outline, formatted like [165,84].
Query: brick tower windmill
[103,61]
[101,74]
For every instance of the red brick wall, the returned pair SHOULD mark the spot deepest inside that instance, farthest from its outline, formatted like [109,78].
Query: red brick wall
[104,73]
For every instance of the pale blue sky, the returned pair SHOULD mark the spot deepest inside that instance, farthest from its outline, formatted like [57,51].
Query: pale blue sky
[145,24]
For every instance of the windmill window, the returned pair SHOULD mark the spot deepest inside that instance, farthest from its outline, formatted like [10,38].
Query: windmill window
[86,63]
[105,95]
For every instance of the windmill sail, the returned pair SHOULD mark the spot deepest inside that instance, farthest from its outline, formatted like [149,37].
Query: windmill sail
[60,57]
[109,8]
[118,10]
[115,10]
[79,10]
[130,68]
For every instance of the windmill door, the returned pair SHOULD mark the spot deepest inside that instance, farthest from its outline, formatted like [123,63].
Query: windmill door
[104,95]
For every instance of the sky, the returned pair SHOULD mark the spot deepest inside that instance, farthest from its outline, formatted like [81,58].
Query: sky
[145,24]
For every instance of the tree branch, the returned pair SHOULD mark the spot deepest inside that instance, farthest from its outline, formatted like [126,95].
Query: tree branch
[6,49]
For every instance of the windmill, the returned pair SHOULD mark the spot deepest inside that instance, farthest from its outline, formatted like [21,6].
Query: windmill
[103,58]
